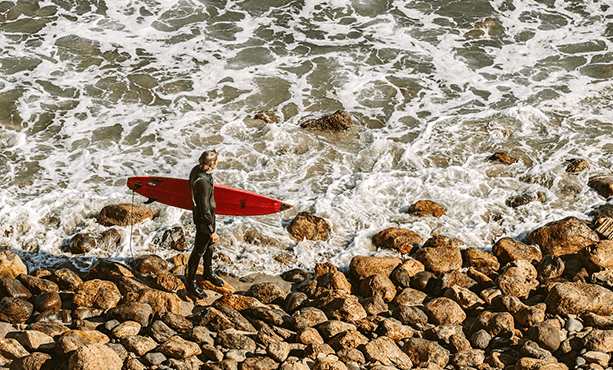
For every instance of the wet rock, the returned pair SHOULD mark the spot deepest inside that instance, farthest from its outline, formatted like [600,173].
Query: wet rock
[525,198]
[566,236]
[232,339]
[83,243]
[480,260]
[602,184]
[15,310]
[402,240]
[97,293]
[508,249]
[423,352]
[546,336]
[295,275]
[104,269]
[378,285]
[95,356]
[338,121]
[598,256]
[160,301]
[410,297]
[150,264]
[308,317]
[427,208]
[66,279]
[37,285]
[518,279]
[347,339]
[550,267]
[14,288]
[124,215]
[173,238]
[503,158]
[578,298]
[126,329]
[138,344]
[436,241]
[177,347]
[465,298]
[11,265]
[362,266]
[385,351]
[577,165]
[109,240]
[34,361]
[266,292]
[425,281]
[440,259]
[308,226]
[444,311]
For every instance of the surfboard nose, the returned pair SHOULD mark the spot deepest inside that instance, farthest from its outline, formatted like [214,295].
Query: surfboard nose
[285,206]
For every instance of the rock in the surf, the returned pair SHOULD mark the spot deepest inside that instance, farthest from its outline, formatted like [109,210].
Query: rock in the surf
[577,165]
[338,121]
[123,214]
[504,158]
[602,184]
[150,264]
[402,240]
[308,226]
[427,208]
[566,236]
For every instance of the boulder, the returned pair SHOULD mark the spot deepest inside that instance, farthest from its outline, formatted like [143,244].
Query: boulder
[50,301]
[345,309]
[508,249]
[124,214]
[579,298]
[566,236]
[440,259]
[362,266]
[74,339]
[443,311]
[34,361]
[465,298]
[132,311]
[480,260]
[385,351]
[518,279]
[160,301]
[173,238]
[347,339]
[598,256]
[411,315]
[423,352]
[308,226]
[177,347]
[602,184]
[11,349]
[546,336]
[15,310]
[98,294]
[150,264]
[126,329]
[94,357]
[427,208]
[83,243]
[259,363]
[471,358]
[169,282]
[395,330]
[162,332]
[278,351]
[266,292]
[14,288]
[529,363]
[11,265]
[410,297]
[495,323]
[308,317]
[378,285]
[599,340]
[402,240]
[332,328]
[37,285]
[104,269]
[550,267]
[577,165]
[328,363]
[138,344]
[66,279]
[232,339]
[338,121]
[237,302]
[34,339]
[308,336]
[503,158]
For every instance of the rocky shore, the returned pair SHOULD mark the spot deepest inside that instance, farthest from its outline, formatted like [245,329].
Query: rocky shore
[541,303]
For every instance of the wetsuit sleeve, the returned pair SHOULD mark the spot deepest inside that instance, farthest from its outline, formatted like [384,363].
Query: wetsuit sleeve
[203,192]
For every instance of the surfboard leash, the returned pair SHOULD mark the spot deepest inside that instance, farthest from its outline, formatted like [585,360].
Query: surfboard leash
[133,188]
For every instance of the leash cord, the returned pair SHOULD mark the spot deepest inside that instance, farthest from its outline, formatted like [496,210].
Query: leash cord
[132,223]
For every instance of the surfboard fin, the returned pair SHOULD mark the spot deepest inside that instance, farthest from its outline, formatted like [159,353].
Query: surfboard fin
[151,200]
[135,187]
[285,206]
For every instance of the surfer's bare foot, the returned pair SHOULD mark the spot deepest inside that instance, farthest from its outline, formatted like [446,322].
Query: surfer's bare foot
[195,290]
[214,279]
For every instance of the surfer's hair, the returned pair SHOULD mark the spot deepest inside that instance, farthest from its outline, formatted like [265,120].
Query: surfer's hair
[207,160]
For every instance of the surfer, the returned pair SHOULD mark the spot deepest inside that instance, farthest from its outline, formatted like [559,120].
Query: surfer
[201,184]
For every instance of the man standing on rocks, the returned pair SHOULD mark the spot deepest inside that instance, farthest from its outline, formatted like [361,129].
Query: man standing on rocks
[201,185]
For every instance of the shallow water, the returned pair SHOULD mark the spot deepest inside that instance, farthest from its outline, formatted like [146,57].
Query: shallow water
[93,92]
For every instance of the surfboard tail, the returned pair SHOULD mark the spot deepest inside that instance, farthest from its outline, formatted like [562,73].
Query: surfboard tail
[284,207]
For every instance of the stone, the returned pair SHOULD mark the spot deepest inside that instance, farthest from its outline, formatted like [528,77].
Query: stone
[160,301]
[34,339]
[443,310]
[161,332]
[272,316]
[309,335]
[338,121]
[468,358]
[278,351]
[169,282]
[577,165]
[83,243]
[53,329]
[308,317]
[385,351]
[362,267]
[378,285]
[436,241]
[104,269]
[211,353]
[347,339]
[266,292]
[412,267]
[394,329]
[465,298]
[66,279]
[294,301]
[459,343]
[423,352]
[98,294]
[124,214]
[230,339]
[308,226]
[481,339]
[238,320]
[503,158]
[550,267]
[424,208]
[508,249]
[402,240]
[579,298]
[11,349]
[527,363]
[154,358]
[73,339]
[332,328]
[126,329]
[150,264]
[411,315]
[599,340]
[49,301]
[345,309]
[602,184]
[496,323]
[14,288]
[518,279]
[440,259]
[410,297]
[34,361]
[563,237]
[138,344]
[11,265]
[109,240]
[375,305]
[94,357]
[545,335]
[333,280]
[259,363]
[598,256]
[480,260]
[177,347]
[454,278]
[15,310]
[328,363]
[37,285]
[175,321]
[173,238]
[237,302]
[132,311]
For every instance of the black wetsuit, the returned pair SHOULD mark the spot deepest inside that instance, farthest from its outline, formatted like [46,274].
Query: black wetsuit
[201,184]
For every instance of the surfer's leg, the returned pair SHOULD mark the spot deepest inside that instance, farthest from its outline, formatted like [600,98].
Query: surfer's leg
[207,263]
[200,246]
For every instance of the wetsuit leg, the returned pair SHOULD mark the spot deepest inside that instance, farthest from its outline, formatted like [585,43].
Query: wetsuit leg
[203,239]
[207,262]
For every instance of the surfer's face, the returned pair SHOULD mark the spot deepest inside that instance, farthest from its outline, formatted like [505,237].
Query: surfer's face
[213,166]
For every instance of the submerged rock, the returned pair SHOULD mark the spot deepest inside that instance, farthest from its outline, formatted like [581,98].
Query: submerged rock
[308,226]
[402,240]
[338,121]
[427,208]
[124,214]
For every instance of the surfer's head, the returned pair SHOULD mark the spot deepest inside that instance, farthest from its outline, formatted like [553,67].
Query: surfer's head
[208,160]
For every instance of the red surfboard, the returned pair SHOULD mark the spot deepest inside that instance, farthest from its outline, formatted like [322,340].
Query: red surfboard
[230,201]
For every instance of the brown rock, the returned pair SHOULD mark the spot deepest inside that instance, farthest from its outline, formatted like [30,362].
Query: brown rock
[315,350]
[410,297]
[402,240]
[332,328]
[385,351]
[338,121]
[509,249]
[173,238]
[176,321]
[126,329]
[528,363]
[53,329]
[480,260]
[395,330]
[169,282]
[495,323]
[14,288]
[37,285]
[362,266]
[375,305]
[278,351]
[110,239]
[11,265]
[333,280]
[440,259]
[436,241]
[123,215]
[150,264]
[309,316]
[160,301]
[308,226]
[66,279]
[455,277]
[138,344]
[73,339]
[259,363]
[132,311]
[83,243]
[411,315]
[95,356]
[328,363]
[602,184]
[598,256]
[566,236]
[578,298]
[266,292]
[378,285]
[525,198]
[11,349]
[345,309]
[577,165]
[35,361]
[104,269]
[503,158]
[465,298]
[237,302]
[468,358]
[231,339]
[34,339]
[423,352]
[444,311]
[215,319]
[180,348]
[427,208]
[97,293]
[308,336]
[15,310]
[518,279]
[347,339]
[48,302]
[412,267]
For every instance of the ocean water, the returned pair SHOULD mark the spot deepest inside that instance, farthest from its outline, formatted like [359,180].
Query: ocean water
[93,92]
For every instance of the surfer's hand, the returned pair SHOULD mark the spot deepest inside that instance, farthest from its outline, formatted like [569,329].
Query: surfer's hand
[214,237]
